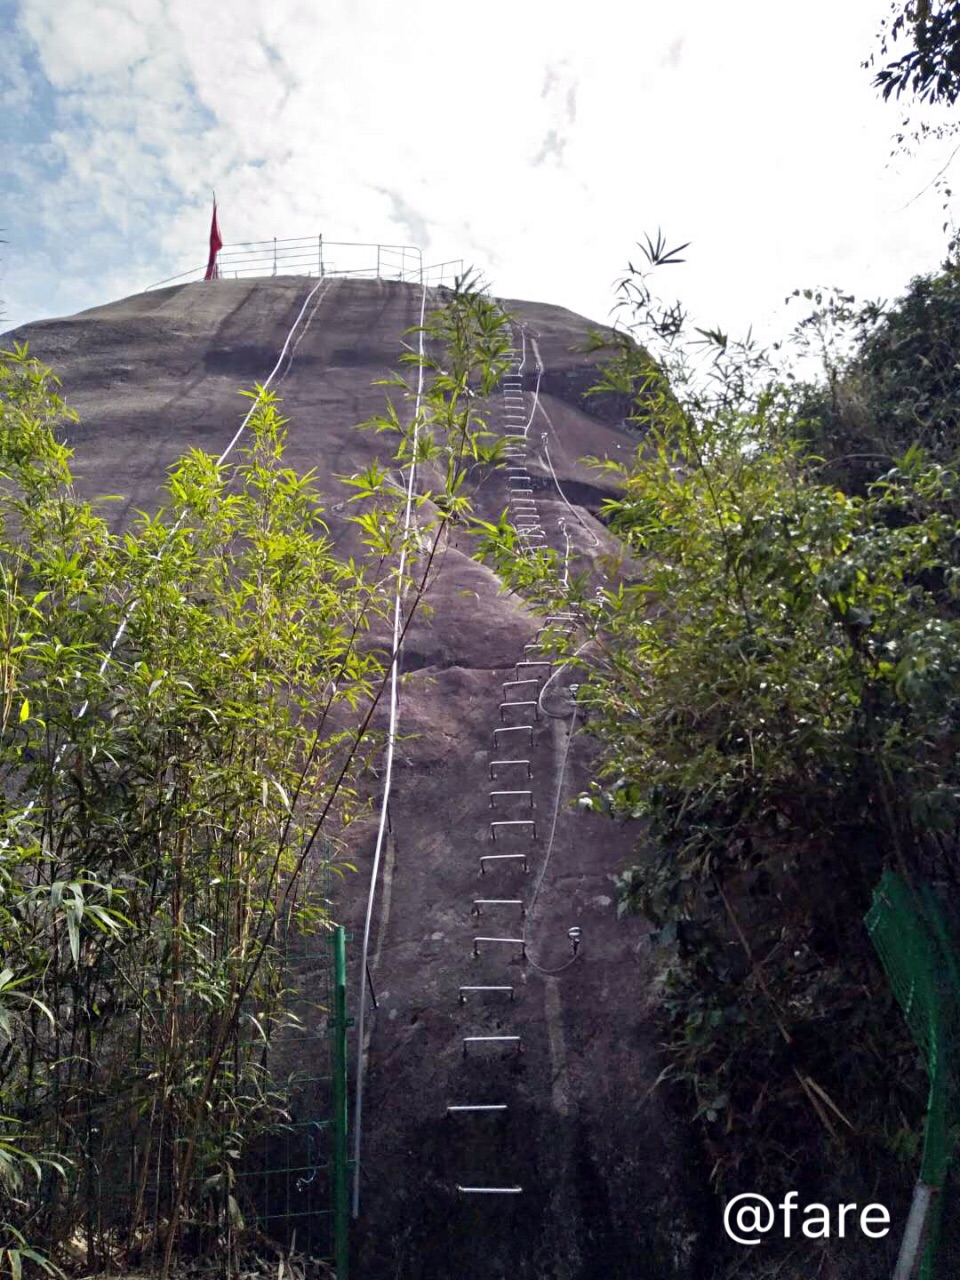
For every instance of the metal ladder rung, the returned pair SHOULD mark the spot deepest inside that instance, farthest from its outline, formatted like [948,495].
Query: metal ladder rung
[494,763]
[514,822]
[529,794]
[502,857]
[513,728]
[530,662]
[489,1191]
[512,684]
[457,1109]
[497,902]
[517,704]
[491,1040]
[462,999]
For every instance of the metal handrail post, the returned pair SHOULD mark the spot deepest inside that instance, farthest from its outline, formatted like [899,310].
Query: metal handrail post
[320,238]
[378,262]
[341,1159]
[274,255]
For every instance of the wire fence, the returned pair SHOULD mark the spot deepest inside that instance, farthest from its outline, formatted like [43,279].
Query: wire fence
[295,1177]
[315,256]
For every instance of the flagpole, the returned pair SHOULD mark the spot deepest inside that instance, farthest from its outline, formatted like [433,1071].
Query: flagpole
[216,244]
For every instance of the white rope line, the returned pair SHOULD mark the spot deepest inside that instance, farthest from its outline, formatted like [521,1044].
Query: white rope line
[543,439]
[546,453]
[550,679]
[536,389]
[546,857]
[566,582]
[128,612]
[566,750]
[388,779]
[556,812]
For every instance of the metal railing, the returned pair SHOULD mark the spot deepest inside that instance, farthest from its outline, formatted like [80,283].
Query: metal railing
[315,256]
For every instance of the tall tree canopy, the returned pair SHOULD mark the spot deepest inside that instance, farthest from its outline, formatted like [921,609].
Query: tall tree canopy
[930,68]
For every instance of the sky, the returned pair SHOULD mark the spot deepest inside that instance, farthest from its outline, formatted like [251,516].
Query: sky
[539,140]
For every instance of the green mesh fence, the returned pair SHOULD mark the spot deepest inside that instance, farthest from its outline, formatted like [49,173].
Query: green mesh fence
[295,1176]
[913,940]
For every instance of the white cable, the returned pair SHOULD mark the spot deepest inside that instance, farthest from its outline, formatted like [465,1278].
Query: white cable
[556,814]
[566,578]
[550,679]
[537,405]
[536,389]
[388,778]
[118,635]
[546,858]
[546,452]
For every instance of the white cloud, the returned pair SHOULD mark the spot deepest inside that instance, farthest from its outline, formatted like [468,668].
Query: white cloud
[761,142]
[84,39]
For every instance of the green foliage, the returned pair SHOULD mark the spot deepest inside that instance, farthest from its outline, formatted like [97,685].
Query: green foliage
[777,692]
[185,713]
[892,378]
[774,682]
[167,700]
[930,69]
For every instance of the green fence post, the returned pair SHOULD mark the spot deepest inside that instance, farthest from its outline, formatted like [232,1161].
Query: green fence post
[341,1201]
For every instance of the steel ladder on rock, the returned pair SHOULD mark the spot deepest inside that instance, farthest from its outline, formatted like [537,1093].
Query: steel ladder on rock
[511,786]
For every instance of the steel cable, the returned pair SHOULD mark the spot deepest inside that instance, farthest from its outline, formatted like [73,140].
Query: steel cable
[388,778]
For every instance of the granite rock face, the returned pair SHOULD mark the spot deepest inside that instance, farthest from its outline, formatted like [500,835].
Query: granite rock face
[601,1174]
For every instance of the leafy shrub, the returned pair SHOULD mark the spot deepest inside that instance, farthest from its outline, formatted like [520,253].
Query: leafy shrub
[185,712]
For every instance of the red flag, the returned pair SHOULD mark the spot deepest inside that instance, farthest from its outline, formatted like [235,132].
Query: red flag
[216,244]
